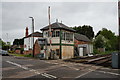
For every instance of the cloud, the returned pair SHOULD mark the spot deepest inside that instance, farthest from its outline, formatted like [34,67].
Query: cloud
[15,15]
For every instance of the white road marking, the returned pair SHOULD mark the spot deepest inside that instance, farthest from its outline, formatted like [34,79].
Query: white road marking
[51,62]
[109,72]
[73,68]
[48,75]
[84,73]
[45,76]
[17,65]
[32,70]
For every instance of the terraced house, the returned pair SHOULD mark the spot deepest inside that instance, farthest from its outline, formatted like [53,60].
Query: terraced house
[62,40]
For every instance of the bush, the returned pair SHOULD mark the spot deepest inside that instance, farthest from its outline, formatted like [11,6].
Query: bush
[95,51]
[11,51]
[28,55]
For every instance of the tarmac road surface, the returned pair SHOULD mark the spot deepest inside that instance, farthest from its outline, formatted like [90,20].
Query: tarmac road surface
[21,68]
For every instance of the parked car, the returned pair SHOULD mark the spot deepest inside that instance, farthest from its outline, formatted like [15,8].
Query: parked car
[3,53]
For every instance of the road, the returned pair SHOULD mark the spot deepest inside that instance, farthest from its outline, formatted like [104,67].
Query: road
[21,68]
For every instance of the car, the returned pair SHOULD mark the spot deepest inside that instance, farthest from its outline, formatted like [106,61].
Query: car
[3,53]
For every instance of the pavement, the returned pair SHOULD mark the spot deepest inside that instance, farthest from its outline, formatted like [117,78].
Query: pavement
[20,68]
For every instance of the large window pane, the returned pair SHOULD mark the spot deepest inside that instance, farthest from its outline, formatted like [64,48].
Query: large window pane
[57,33]
[53,33]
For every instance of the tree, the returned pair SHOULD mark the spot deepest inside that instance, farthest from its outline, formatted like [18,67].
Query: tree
[108,34]
[85,30]
[111,40]
[18,42]
[5,46]
[99,41]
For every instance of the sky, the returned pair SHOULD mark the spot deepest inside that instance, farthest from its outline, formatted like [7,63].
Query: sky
[15,16]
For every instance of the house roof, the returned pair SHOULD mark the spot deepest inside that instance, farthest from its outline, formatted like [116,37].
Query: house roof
[58,25]
[81,37]
[35,34]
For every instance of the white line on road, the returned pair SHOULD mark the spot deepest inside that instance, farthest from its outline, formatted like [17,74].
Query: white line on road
[48,75]
[109,73]
[17,65]
[32,70]
[85,73]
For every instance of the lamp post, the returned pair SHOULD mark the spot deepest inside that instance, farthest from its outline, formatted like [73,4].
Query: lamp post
[32,32]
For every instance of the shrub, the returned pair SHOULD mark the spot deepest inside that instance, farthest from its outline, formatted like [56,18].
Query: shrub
[95,51]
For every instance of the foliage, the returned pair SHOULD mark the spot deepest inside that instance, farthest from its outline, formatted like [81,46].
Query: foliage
[22,55]
[11,51]
[99,42]
[85,30]
[18,42]
[110,40]
[95,51]
[28,55]
[5,46]
[98,52]
[108,34]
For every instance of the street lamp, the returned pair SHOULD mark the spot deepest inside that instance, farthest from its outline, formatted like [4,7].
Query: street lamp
[32,32]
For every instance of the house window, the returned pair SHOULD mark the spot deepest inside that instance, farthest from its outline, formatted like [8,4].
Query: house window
[57,33]
[53,33]
[46,34]
[63,35]
[67,36]
[71,36]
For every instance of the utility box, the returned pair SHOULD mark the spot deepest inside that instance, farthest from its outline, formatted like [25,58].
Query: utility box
[116,60]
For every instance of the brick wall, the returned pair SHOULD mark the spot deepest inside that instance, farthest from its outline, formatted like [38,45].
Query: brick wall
[37,48]
[28,52]
[80,42]
[17,51]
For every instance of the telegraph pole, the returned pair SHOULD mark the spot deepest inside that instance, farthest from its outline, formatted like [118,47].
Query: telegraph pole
[33,32]
[50,33]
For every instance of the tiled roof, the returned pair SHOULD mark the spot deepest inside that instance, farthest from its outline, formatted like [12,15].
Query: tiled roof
[58,25]
[81,37]
[35,34]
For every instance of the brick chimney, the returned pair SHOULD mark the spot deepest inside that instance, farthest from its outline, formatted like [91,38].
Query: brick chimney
[26,34]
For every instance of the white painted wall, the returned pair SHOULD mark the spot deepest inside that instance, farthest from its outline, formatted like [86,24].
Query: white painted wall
[29,42]
[89,47]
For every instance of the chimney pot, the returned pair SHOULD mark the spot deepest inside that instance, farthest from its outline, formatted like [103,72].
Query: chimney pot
[26,34]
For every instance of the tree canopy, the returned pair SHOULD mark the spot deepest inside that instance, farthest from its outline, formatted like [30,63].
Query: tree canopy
[85,30]
[18,42]
[4,45]
[111,42]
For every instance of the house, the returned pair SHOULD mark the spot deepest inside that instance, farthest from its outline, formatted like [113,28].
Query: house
[18,45]
[28,41]
[62,41]
[83,45]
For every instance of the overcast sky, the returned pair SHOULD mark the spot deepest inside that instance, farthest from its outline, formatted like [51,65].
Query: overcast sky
[15,16]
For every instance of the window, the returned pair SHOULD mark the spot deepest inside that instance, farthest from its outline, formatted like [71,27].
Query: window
[71,36]
[46,34]
[53,33]
[57,33]
[63,35]
[67,36]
